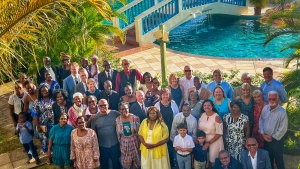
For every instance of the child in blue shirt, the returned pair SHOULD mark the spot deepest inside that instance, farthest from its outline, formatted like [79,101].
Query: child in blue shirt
[24,130]
[201,158]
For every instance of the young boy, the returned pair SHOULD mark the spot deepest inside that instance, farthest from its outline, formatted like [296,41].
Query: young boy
[24,130]
[201,160]
[183,144]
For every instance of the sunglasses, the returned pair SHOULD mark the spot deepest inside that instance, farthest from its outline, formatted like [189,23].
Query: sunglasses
[187,70]
[102,105]
[106,65]
[65,60]
[80,123]
[251,145]
[272,99]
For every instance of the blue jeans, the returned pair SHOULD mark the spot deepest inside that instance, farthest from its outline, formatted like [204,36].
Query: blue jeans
[31,150]
[112,153]
[184,162]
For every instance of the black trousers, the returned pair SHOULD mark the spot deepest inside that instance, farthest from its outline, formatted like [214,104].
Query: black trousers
[275,149]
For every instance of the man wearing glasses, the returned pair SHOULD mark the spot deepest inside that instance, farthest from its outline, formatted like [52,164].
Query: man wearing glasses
[187,81]
[273,125]
[225,161]
[107,74]
[254,157]
[125,76]
[104,123]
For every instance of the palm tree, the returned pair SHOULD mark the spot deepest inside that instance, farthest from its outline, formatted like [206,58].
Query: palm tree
[26,23]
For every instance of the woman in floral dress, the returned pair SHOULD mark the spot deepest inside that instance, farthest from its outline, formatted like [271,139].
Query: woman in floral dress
[258,106]
[84,146]
[127,131]
[44,117]
[237,130]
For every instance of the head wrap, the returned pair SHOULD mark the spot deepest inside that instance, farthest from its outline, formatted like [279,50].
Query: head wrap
[77,94]
[62,55]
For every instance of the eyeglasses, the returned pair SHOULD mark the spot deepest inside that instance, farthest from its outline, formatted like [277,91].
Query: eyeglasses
[106,65]
[89,102]
[126,64]
[80,122]
[224,158]
[187,70]
[272,99]
[249,145]
[65,60]
[102,105]
[123,109]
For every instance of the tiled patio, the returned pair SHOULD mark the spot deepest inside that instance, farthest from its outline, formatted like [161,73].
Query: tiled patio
[147,59]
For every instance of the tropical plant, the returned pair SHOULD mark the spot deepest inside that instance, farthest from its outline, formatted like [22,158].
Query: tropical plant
[24,24]
[282,20]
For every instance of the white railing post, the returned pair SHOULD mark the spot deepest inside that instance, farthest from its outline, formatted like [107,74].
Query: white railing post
[155,2]
[179,6]
[138,30]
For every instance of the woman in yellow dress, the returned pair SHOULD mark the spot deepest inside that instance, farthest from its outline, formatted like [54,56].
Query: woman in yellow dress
[154,135]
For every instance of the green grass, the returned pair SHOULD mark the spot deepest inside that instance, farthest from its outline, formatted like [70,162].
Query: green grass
[8,141]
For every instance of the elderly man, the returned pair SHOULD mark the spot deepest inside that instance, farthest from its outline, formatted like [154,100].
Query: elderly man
[139,108]
[225,161]
[82,86]
[246,78]
[271,84]
[110,95]
[125,76]
[71,81]
[254,157]
[218,76]
[107,74]
[203,93]
[186,118]
[47,66]
[104,123]
[273,125]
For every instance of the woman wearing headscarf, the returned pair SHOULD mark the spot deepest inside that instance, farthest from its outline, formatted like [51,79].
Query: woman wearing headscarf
[76,110]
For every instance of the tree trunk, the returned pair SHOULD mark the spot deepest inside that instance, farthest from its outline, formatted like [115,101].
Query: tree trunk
[257,11]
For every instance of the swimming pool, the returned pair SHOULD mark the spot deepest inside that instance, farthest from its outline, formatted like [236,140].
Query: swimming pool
[227,36]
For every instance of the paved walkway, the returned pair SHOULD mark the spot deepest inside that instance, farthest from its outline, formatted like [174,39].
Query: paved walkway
[147,59]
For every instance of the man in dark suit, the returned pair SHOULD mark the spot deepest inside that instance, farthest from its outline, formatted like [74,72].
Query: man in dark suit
[138,108]
[71,81]
[82,86]
[47,66]
[107,74]
[110,95]
[225,161]
[255,157]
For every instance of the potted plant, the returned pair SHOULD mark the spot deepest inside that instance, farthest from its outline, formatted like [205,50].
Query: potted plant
[258,5]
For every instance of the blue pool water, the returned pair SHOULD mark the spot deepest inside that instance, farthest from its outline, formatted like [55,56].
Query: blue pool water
[227,36]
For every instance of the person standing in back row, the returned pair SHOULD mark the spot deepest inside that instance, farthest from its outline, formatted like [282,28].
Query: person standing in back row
[127,75]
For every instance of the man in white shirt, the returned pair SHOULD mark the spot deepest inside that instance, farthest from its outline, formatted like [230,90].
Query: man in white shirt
[187,81]
[184,117]
[254,157]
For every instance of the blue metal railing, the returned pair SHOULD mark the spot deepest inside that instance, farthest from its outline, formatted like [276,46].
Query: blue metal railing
[134,11]
[159,16]
[234,2]
[188,4]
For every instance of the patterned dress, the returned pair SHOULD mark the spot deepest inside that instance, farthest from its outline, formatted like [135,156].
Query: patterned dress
[129,142]
[255,133]
[75,112]
[235,135]
[46,120]
[84,150]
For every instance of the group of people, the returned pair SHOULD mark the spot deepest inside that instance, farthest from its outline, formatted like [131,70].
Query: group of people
[84,118]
